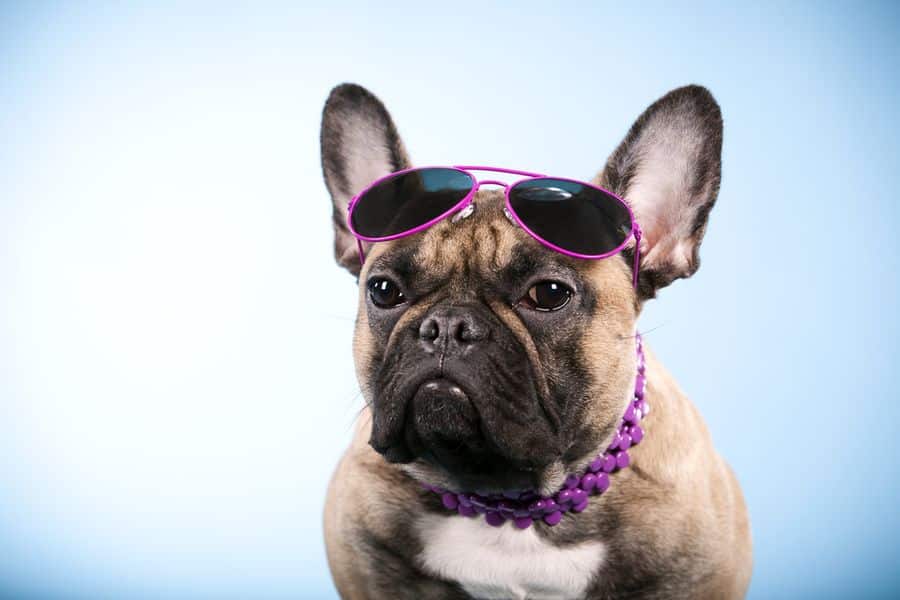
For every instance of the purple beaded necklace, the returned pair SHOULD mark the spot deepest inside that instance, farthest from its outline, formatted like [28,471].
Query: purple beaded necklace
[525,508]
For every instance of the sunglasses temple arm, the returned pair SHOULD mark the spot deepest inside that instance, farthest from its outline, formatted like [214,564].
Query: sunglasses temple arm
[637,254]
[362,255]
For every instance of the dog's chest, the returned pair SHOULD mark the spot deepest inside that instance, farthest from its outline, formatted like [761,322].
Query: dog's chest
[504,562]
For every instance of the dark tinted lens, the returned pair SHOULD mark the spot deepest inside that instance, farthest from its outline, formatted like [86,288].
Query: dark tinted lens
[575,217]
[407,201]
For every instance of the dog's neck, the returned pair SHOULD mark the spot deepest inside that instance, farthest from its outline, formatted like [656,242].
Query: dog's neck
[525,508]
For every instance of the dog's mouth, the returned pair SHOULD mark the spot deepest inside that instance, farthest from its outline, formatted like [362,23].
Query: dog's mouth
[452,425]
[445,426]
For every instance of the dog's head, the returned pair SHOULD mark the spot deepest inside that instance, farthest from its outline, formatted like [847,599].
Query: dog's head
[490,362]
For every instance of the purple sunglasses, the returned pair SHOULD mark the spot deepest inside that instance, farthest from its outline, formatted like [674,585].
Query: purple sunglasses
[571,217]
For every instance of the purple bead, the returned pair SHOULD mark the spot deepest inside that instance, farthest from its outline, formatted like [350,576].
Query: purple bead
[466,511]
[625,442]
[523,522]
[537,505]
[464,500]
[449,501]
[639,385]
[602,483]
[622,459]
[553,518]
[494,519]
[609,463]
[551,506]
[629,415]
[596,464]
[645,407]
[572,481]
[588,482]
[637,434]
[579,496]
[564,496]
[615,442]
[581,506]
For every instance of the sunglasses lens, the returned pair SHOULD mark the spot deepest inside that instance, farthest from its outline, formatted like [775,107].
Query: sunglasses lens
[575,217]
[409,200]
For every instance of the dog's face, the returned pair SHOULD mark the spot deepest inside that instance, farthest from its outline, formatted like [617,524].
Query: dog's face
[490,362]
[501,357]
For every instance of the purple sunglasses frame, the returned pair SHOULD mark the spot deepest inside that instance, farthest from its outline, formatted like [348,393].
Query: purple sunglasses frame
[634,234]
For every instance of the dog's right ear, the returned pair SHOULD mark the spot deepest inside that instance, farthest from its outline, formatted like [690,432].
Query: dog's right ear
[359,144]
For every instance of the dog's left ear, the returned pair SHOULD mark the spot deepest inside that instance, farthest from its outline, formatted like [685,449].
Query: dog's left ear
[668,170]
[360,143]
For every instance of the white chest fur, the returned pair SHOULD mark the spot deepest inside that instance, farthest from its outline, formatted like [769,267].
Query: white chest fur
[504,562]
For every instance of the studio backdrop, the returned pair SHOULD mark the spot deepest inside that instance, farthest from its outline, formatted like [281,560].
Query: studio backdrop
[176,377]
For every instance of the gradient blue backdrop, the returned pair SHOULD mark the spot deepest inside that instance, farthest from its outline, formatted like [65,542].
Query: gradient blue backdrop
[175,373]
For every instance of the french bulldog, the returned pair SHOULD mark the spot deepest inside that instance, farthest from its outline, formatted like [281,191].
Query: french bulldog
[519,398]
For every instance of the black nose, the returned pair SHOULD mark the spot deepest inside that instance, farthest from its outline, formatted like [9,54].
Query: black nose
[452,328]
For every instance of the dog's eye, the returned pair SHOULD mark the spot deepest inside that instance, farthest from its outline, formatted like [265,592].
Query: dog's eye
[547,296]
[385,293]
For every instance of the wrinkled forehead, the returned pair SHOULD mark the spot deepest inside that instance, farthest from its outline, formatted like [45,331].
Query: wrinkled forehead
[482,242]
[486,245]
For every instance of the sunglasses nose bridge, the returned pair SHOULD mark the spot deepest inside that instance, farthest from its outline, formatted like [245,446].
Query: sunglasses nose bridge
[503,184]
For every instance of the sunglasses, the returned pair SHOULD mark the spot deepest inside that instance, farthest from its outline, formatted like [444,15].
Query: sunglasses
[571,217]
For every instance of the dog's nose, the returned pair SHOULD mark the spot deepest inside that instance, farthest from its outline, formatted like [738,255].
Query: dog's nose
[451,327]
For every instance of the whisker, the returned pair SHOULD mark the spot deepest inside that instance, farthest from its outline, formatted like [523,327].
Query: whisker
[643,333]
[340,318]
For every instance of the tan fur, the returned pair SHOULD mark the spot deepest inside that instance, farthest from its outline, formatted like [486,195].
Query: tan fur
[678,489]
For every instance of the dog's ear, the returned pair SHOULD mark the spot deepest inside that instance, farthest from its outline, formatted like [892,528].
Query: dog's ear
[668,170]
[359,144]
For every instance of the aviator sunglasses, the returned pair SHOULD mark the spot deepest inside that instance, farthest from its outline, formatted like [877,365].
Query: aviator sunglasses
[571,217]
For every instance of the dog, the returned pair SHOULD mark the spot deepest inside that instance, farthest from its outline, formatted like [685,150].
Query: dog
[522,399]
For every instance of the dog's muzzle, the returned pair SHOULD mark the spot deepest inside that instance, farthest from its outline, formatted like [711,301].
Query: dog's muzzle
[466,402]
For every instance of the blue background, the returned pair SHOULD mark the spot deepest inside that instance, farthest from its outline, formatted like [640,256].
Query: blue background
[175,371]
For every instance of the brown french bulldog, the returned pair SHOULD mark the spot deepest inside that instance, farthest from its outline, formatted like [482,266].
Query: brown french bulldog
[535,395]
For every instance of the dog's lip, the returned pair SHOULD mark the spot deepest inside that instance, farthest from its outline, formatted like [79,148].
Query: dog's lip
[442,385]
